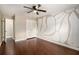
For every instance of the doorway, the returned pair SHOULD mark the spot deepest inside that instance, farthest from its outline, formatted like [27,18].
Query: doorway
[9,28]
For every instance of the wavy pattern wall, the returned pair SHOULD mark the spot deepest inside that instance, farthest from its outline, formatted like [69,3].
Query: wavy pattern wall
[62,27]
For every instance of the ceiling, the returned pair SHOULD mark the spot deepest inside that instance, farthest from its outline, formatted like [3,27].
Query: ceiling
[52,9]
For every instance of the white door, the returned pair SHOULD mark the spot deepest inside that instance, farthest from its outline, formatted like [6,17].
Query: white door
[9,28]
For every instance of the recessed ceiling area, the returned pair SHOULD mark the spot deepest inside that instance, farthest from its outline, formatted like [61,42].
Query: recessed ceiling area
[52,9]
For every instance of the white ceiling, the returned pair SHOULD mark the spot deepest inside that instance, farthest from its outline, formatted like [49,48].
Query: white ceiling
[52,9]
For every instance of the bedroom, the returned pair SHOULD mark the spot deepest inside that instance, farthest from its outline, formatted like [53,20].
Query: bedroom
[30,31]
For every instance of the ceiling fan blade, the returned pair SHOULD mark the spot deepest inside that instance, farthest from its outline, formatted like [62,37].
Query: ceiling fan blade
[39,5]
[29,11]
[37,13]
[27,7]
[41,10]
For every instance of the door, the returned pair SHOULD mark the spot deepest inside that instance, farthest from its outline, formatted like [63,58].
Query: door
[9,28]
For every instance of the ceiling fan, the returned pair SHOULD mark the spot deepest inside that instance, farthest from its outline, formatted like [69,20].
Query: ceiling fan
[35,9]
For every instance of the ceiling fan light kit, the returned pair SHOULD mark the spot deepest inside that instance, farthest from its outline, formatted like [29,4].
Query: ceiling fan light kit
[34,11]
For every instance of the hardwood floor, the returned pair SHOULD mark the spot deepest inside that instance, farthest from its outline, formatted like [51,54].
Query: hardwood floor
[2,48]
[51,48]
[36,46]
[10,47]
[27,47]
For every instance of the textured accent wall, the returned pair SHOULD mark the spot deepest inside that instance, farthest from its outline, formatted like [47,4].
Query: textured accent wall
[62,28]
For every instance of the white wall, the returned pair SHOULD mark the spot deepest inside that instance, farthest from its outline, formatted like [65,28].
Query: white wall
[20,27]
[74,36]
[31,28]
[61,28]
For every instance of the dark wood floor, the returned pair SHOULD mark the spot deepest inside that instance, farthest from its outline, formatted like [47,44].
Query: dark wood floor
[36,46]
